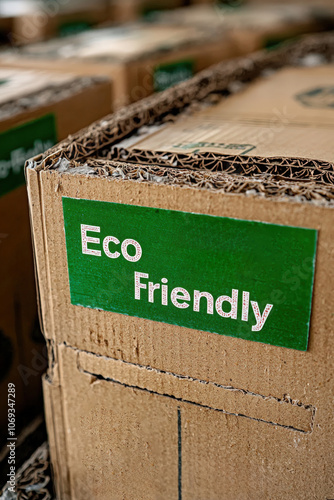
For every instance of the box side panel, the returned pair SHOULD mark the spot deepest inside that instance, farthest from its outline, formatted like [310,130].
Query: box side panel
[40,258]
[149,443]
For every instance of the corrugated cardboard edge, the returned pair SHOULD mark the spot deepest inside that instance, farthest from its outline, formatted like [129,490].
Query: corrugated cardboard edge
[281,181]
[102,133]
[40,258]
[79,147]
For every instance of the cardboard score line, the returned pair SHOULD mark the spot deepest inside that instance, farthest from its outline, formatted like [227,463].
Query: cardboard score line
[267,409]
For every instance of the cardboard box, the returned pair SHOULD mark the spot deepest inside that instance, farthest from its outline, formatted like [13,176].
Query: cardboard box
[37,109]
[27,22]
[262,26]
[140,58]
[150,246]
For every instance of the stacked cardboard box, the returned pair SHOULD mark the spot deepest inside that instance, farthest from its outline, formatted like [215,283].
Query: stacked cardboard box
[257,26]
[26,22]
[181,238]
[140,58]
[37,109]
[143,58]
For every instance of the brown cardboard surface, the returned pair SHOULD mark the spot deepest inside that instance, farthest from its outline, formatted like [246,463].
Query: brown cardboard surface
[277,116]
[148,409]
[287,92]
[56,435]
[22,346]
[138,441]
[200,392]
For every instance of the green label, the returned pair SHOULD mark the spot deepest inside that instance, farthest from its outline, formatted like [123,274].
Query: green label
[167,75]
[73,27]
[240,278]
[273,43]
[150,12]
[21,143]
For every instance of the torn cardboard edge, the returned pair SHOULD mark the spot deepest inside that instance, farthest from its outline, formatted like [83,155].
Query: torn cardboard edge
[162,107]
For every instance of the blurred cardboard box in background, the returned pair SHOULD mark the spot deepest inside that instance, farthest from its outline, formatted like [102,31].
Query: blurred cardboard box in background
[37,109]
[26,22]
[140,58]
[261,25]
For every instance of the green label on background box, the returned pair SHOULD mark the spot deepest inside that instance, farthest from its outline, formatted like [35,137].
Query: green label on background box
[240,278]
[21,143]
[167,75]
[73,27]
